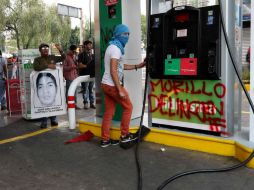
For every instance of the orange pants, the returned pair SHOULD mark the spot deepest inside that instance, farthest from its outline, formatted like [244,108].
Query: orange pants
[111,98]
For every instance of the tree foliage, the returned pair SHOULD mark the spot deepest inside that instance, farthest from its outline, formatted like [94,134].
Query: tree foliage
[88,30]
[74,37]
[2,14]
[143,31]
[31,22]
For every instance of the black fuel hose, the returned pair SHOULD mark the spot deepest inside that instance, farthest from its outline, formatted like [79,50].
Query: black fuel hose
[137,158]
[169,180]
[139,168]
[205,171]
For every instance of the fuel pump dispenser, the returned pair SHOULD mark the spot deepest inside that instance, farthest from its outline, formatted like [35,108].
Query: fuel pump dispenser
[187,90]
[181,47]
[185,43]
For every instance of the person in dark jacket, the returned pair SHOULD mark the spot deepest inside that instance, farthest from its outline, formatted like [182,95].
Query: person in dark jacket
[86,66]
[46,61]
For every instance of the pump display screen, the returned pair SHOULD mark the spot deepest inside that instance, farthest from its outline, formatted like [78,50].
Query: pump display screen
[181,33]
[184,17]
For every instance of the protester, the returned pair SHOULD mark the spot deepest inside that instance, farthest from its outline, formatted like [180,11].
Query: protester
[112,86]
[70,70]
[3,77]
[86,66]
[46,61]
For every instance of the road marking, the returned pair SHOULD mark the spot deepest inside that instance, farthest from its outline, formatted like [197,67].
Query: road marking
[27,135]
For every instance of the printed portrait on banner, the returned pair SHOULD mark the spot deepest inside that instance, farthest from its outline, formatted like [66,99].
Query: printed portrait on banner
[47,93]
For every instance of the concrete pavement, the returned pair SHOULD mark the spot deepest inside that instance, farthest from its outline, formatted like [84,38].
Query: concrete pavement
[44,162]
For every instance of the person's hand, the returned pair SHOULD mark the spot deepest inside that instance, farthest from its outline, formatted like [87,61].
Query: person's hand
[122,93]
[145,60]
[51,66]
[142,64]
[58,47]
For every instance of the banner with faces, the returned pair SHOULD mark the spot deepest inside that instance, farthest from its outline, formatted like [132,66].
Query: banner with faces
[47,93]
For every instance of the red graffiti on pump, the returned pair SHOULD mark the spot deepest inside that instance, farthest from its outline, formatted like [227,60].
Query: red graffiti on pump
[172,101]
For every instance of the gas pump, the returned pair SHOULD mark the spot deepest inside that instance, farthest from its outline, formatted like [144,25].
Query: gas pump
[185,43]
[187,92]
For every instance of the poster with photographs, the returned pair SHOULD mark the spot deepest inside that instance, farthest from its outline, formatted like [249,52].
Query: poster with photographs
[47,93]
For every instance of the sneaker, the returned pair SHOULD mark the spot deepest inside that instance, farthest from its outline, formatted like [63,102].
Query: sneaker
[77,108]
[109,142]
[114,142]
[3,108]
[86,106]
[105,144]
[43,126]
[128,138]
[54,123]
[92,106]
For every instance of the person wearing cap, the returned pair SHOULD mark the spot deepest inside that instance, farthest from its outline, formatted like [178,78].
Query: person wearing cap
[47,61]
[70,70]
[112,86]
[3,77]
[86,66]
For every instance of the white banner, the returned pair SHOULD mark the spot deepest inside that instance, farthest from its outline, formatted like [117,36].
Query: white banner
[47,93]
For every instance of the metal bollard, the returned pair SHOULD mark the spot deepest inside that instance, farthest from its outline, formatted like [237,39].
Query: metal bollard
[71,99]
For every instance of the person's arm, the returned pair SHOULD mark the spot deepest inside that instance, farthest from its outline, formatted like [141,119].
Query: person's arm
[38,66]
[114,75]
[132,67]
[62,57]
[81,65]
[67,66]
[51,66]
[80,59]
